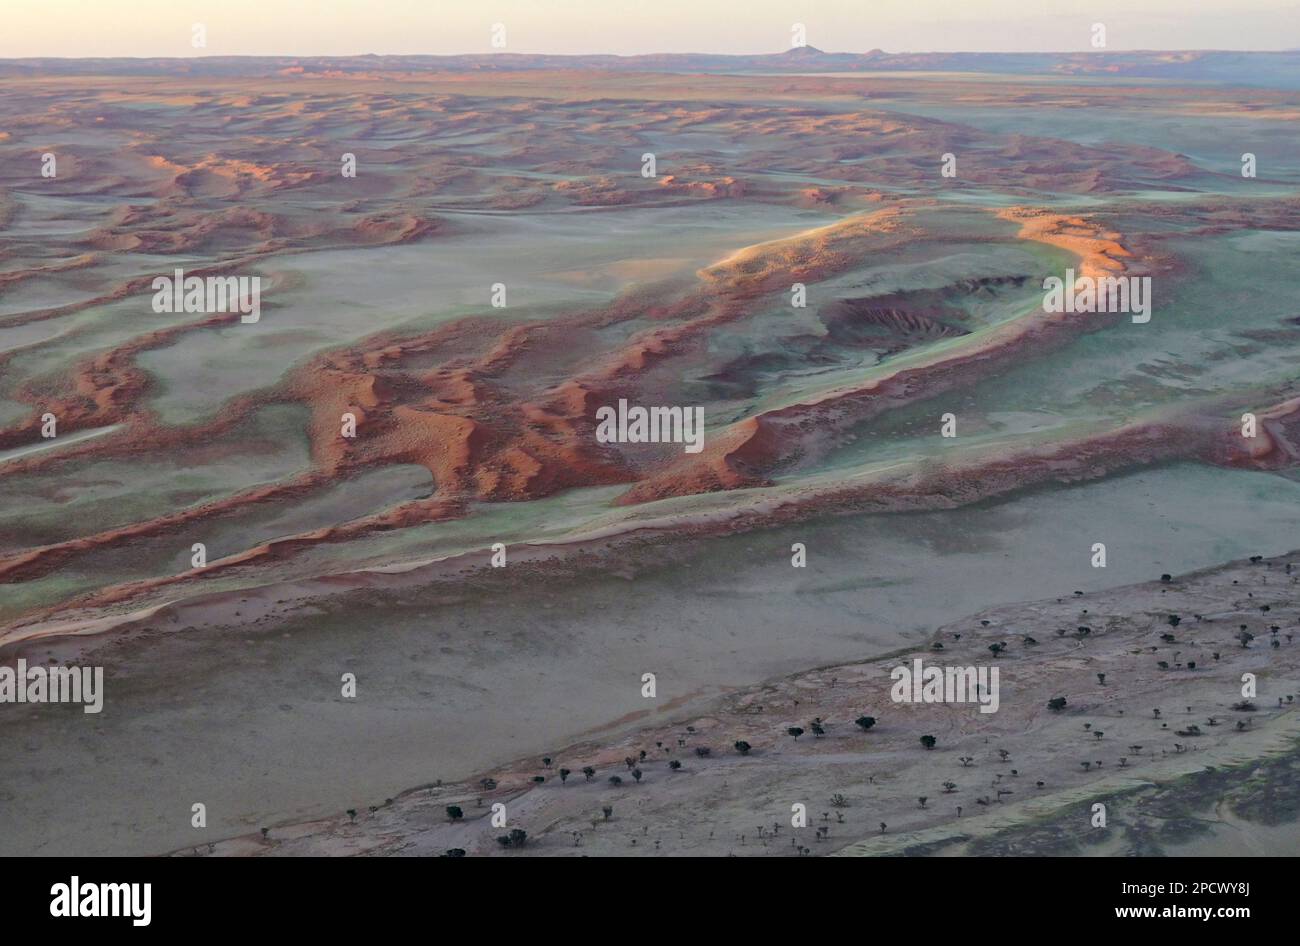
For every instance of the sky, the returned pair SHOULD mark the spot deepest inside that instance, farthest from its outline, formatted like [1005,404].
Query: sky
[80,28]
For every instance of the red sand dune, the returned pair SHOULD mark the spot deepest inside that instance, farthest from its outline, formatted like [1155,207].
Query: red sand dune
[501,411]
[483,440]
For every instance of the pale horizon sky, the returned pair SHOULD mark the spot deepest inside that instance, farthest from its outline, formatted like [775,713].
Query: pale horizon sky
[162,28]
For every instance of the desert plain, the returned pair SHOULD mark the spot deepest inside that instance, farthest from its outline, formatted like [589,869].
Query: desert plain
[497,580]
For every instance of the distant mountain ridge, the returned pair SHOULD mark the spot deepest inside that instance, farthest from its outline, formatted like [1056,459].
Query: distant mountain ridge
[1277,69]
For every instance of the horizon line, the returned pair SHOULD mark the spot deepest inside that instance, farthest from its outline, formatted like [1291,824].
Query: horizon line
[728,55]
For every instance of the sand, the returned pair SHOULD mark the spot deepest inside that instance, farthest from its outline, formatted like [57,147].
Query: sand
[1026,768]
[234,700]
[371,555]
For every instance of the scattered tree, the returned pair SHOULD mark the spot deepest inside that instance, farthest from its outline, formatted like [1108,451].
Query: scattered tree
[517,838]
